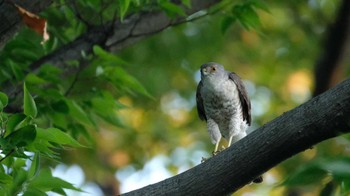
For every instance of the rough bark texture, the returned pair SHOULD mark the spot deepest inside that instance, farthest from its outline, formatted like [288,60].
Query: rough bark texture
[10,19]
[321,118]
[336,50]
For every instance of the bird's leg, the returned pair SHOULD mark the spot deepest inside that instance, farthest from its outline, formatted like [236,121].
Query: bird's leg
[229,142]
[216,147]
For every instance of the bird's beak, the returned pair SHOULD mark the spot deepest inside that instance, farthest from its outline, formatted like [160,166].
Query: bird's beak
[204,71]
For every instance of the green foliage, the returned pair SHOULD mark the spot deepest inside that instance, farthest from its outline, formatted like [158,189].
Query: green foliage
[29,107]
[22,140]
[139,103]
[245,13]
[334,170]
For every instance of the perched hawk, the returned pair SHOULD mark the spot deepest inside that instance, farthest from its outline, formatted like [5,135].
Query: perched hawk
[222,101]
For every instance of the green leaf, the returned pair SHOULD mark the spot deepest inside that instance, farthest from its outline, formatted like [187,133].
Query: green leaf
[35,166]
[124,80]
[172,9]
[124,6]
[78,113]
[29,105]
[57,136]
[259,5]
[226,23]
[46,182]
[15,122]
[246,15]
[34,79]
[305,175]
[21,137]
[110,58]
[187,3]
[3,100]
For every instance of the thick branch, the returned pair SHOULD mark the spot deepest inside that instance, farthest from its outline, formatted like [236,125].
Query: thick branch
[337,43]
[321,118]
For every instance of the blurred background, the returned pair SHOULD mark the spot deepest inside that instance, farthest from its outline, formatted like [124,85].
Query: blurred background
[155,132]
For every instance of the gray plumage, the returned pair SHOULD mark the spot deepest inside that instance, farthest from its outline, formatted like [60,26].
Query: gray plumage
[222,101]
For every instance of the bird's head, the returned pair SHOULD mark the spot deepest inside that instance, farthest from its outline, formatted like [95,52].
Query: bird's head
[211,70]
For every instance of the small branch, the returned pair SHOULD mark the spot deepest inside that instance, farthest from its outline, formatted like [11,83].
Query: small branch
[7,155]
[319,119]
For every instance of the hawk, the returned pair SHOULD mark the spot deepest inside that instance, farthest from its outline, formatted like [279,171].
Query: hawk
[222,101]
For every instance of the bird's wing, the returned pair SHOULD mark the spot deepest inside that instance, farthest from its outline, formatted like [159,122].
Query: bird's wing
[200,106]
[243,97]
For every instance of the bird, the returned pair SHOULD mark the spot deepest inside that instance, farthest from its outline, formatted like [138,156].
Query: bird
[223,102]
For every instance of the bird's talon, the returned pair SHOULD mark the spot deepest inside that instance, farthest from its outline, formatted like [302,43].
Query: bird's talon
[204,159]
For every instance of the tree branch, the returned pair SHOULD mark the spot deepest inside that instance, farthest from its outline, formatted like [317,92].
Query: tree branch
[297,130]
[113,35]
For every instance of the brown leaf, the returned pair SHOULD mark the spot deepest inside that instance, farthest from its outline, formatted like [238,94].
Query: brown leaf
[34,22]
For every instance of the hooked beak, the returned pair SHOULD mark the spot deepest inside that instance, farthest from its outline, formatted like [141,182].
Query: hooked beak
[204,71]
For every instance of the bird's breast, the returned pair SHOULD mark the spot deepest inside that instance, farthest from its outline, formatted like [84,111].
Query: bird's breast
[221,100]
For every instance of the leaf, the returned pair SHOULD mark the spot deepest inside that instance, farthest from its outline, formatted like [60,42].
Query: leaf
[78,113]
[226,23]
[57,136]
[246,15]
[124,80]
[21,137]
[113,59]
[34,22]
[29,105]
[172,9]
[46,182]
[260,5]
[14,122]
[3,100]
[34,79]
[124,6]
[35,166]
[305,175]
[187,3]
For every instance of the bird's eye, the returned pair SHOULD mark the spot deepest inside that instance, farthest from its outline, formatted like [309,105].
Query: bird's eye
[213,69]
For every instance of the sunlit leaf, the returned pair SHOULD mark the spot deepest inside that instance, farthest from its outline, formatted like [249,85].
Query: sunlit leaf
[172,9]
[124,5]
[57,136]
[35,165]
[29,106]
[106,56]
[46,182]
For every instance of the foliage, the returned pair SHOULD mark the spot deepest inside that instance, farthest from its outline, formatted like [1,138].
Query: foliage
[119,110]
[22,141]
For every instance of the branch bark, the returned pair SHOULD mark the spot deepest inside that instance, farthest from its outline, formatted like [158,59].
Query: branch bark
[297,130]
